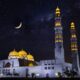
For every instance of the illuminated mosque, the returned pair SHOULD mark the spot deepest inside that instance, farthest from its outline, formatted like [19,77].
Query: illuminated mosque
[23,64]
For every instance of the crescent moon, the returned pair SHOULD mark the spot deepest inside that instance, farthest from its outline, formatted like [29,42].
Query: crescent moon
[20,25]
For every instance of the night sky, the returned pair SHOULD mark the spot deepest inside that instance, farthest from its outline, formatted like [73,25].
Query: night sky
[37,32]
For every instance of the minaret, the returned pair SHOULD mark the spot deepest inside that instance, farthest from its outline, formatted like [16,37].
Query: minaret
[59,49]
[74,48]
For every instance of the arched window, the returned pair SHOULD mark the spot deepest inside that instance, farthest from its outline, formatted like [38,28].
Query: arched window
[7,64]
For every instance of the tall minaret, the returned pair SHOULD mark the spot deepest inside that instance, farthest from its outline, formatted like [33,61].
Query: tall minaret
[74,48]
[59,49]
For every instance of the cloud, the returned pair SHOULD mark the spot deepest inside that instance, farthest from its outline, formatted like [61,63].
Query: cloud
[43,17]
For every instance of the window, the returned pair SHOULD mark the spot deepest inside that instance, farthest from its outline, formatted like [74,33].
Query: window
[7,71]
[0,71]
[13,70]
[3,63]
[48,67]
[52,67]
[12,63]
[45,64]
[48,64]
[7,64]
[45,67]
[4,71]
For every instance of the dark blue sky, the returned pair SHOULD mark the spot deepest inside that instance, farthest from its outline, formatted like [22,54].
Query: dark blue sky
[37,33]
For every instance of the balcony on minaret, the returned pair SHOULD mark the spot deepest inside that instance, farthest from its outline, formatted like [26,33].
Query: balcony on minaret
[73,46]
[73,36]
[58,41]
[72,25]
[57,24]
[57,12]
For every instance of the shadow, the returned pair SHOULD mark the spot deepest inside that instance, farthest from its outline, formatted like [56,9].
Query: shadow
[14,73]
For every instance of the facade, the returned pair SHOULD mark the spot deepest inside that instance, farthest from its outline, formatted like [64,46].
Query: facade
[23,64]
[20,68]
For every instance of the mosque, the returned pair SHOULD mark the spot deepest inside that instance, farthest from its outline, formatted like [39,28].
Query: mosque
[23,64]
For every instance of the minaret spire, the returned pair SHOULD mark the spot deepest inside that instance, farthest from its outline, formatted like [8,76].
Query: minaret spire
[74,47]
[57,12]
[59,50]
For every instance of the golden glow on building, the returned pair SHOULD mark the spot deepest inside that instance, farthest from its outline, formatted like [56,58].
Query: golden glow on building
[30,57]
[59,36]
[57,24]
[74,46]
[30,64]
[58,40]
[20,54]
[73,35]
[13,54]
[72,25]
[74,49]
[57,11]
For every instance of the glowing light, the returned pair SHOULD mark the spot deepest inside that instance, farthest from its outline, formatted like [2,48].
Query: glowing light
[56,74]
[60,36]
[22,53]
[30,64]
[58,40]
[1,74]
[57,36]
[30,57]
[72,25]
[73,36]
[73,45]
[57,24]
[37,74]
[57,11]
[13,54]
[74,49]
[20,25]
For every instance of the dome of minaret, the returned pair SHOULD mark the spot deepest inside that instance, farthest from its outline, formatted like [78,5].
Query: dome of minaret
[22,53]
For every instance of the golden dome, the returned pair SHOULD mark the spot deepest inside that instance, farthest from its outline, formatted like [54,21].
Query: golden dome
[22,53]
[30,57]
[13,53]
